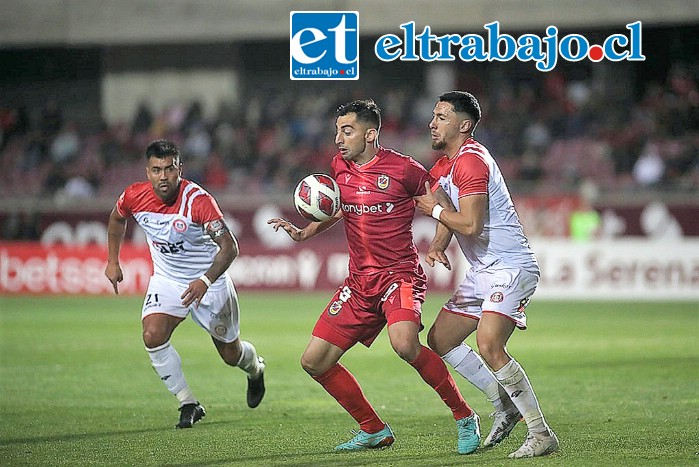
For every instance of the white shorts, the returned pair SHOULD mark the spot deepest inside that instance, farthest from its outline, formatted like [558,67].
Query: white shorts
[217,313]
[499,288]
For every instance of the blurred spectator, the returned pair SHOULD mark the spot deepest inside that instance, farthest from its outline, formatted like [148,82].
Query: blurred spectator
[143,120]
[66,144]
[649,167]
[551,131]
[51,118]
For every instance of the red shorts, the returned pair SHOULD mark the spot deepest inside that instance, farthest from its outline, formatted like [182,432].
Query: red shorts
[363,305]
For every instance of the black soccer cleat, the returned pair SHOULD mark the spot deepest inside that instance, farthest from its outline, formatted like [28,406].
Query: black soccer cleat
[190,414]
[256,387]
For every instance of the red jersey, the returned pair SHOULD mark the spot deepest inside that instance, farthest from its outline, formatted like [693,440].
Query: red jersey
[378,208]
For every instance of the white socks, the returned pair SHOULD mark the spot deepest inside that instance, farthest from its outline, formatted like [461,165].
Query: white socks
[471,366]
[248,360]
[168,364]
[515,381]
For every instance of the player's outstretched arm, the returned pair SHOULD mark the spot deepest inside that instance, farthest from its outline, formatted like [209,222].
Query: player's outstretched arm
[438,247]
[442,235]
[311,230]
[116,229]
[227,252]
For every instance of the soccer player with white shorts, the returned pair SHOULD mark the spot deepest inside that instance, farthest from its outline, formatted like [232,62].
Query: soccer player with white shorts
[191,248]
[503,276]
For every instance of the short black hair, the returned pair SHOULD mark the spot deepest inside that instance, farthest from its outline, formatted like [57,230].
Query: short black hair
[367,111]
[161,149]
[463,102]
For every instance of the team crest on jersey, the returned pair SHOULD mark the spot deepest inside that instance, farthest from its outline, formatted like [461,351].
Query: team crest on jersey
[335,307]
[220,329]
[383,182]
[497,297]
[179,225]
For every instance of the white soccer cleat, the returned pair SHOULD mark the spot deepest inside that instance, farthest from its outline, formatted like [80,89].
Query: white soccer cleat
[503,424]
[537,444]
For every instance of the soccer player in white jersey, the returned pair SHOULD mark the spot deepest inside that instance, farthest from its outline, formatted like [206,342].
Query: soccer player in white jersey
[191,248]
[503,275]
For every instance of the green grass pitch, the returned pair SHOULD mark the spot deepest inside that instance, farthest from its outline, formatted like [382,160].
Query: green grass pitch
[617,381]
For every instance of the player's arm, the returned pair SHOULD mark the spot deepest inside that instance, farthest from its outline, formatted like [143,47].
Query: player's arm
[311,230]
[116,228]
[470,219]
[443,234]
[227,252]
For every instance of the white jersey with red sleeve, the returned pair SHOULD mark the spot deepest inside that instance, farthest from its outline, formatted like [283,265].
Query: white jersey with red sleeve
[179,245]
[474,171]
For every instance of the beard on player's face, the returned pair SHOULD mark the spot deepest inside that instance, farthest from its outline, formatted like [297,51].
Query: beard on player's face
[439,145]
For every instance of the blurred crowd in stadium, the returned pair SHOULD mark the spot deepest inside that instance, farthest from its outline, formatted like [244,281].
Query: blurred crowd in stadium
[547,134]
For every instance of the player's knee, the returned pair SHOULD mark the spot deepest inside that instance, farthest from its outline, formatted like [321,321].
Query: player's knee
[231,355]
[311,366]
[436,344]
[406,350]
[431,341]
[154,338]
[491,351]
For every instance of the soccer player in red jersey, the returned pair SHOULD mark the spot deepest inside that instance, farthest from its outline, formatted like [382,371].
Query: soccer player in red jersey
[191,248]
[502,278]
[386,284]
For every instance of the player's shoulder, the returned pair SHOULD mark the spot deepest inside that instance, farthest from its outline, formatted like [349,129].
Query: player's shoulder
[137,193]
[395,157]
[472,148]
[188,186]
[138,188]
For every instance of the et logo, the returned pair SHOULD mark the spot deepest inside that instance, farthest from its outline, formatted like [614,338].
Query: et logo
[324,45]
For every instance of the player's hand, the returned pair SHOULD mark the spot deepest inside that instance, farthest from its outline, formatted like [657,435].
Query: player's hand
[194,293]
[426,202]
[294,232]
[437,256]
[114,274]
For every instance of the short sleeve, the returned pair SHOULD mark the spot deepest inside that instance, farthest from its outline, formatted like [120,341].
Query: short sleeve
[123,205]
[471,175]
[205,209]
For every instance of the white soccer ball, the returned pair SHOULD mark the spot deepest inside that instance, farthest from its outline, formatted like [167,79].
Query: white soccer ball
[317,197]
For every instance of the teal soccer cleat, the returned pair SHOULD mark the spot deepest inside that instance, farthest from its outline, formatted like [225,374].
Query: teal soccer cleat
[469,434]
[363,440]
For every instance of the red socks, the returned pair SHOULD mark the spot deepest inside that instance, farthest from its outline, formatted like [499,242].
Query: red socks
[342,385]
[433,370]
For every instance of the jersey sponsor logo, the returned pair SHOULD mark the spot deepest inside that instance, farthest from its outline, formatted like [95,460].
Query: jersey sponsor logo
[496,46]
[324,45]
[361,209]
[179,225]
[168,247]
[497,297]
[363,190]
[383,181]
